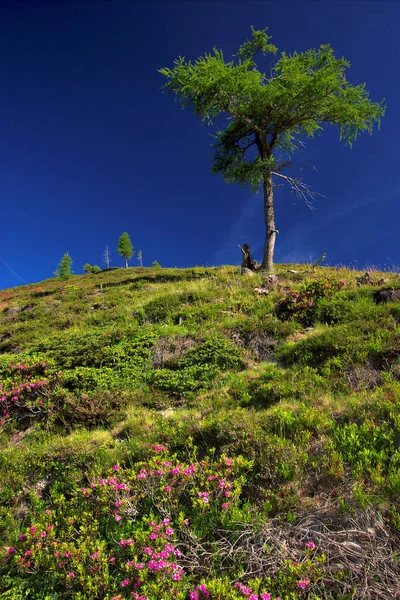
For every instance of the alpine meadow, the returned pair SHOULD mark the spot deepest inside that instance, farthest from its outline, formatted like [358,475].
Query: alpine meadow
[214,432]
[189,433]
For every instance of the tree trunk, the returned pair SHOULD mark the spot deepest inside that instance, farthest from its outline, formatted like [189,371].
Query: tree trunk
[126,263]
[270,231]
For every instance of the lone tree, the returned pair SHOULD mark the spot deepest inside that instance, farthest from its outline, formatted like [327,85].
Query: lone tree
[125,248]
[269,117]
[64,269]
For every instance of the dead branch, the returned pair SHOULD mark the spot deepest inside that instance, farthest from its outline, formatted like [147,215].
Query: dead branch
[302,190]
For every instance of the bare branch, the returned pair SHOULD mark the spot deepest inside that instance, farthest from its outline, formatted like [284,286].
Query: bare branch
[303,190]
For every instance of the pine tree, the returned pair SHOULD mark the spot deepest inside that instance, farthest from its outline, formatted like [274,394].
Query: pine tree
[125,248]
[64,270]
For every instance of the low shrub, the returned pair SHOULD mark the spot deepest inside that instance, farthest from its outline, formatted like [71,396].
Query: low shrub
[302,305]
[28,393]
[198,367]
[163,529]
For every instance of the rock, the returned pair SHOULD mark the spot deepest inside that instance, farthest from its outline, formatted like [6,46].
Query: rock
[261,290]
[366,279]
[352,546]
[335,567]
[270,282]
[28,307]
[388,295]
[246,271]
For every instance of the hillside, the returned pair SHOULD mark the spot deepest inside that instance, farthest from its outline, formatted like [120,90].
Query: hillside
[174,433]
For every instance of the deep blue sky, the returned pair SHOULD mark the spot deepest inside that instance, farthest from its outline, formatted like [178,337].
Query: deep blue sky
[90,147]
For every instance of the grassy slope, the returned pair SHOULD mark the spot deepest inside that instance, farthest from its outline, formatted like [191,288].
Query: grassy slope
[196,357]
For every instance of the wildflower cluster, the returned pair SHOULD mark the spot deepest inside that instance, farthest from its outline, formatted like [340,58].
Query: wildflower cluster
[143,533]
[24,391]
[126,533]
[301,305]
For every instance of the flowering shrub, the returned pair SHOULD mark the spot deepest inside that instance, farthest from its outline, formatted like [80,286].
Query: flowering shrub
[25,391]
[148,533]
[302,305]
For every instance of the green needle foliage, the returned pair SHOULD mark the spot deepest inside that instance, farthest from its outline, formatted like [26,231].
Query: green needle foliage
[125,248]
[268,118]
[64,270]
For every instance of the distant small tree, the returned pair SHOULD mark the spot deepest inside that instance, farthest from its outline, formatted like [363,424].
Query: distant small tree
[106,258]
[156,265]
[139,257]
[125,248]
[96,269]
[64,270]
[87,268]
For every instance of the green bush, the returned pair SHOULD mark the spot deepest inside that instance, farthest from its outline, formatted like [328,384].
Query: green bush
[302,305]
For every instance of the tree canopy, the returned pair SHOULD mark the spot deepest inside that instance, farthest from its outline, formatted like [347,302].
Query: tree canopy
[269,117]
[125,248]
[64,269]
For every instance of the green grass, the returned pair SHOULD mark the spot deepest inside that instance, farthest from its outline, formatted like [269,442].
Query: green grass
[308,396]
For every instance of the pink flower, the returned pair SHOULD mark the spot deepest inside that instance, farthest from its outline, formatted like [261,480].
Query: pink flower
[11,550]
[310,545]
[193,596]
[169,531]
[202,588]
[265,596]
[43,534]
[32,530]
[22,537]
[303,583]
[118,518]
[153,536]
[167,488]
[225,505]
[71,575]
[158,448]
[125,582]
[116,468]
